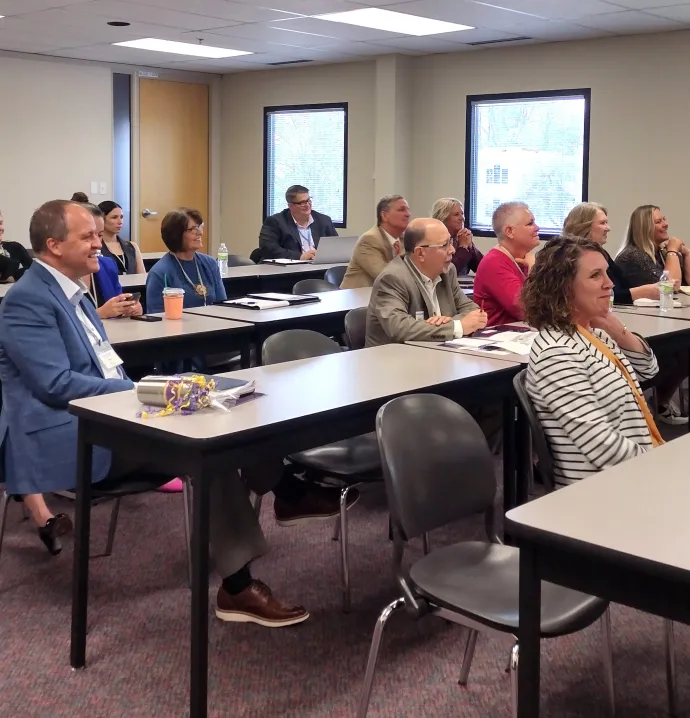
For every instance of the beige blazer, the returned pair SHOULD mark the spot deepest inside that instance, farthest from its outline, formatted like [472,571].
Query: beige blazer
[397,300]
[371,254]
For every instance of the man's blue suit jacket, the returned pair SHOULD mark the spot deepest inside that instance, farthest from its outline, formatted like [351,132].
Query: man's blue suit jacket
[46,360]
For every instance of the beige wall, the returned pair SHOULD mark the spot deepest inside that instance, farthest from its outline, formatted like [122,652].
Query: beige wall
[640,117]
[244,96]
[55,135]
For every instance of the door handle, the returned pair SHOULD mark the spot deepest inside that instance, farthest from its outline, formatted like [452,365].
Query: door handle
[148,213]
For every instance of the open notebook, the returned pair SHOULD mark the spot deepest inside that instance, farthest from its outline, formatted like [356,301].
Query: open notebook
[498,343]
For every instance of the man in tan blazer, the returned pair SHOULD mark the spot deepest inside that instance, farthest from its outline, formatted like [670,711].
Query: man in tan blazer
[417,296]
[379,245]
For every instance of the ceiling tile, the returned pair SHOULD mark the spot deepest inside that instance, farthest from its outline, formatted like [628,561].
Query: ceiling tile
[466,12]
[554,9]
[222,9]
[53,23]
[629,21]
[562,30]
[128,11]
[428,44]
[674,12]
[646,4]
[21,42]
[306,7]
[464,37]
[231,43]
[274,34]
[16,7]
[64,37]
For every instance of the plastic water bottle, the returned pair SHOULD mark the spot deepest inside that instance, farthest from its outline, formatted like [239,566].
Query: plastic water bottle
[665,292]
[222,259]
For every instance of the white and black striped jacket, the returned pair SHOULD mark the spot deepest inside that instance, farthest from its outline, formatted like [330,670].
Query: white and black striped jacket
[585,405]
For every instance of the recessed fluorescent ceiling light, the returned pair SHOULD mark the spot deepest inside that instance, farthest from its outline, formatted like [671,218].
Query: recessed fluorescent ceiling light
[399,22]
[181,48]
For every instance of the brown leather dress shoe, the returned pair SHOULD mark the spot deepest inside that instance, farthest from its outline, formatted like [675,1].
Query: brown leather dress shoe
[256,604]
[319,503]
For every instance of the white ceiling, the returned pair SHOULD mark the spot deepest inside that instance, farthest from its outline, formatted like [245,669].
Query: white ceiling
[283,30]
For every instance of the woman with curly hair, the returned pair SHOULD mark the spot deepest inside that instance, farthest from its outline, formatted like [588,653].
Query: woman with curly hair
[584,365]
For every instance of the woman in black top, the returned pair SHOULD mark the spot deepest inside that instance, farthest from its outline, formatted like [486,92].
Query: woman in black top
[125,254]
[590,220]
[14,257]
[647,249]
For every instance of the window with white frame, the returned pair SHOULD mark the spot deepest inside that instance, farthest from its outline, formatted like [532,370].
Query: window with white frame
[307,145]
[535,146]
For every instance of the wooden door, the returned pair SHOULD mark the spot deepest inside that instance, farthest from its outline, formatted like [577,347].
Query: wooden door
[173,155]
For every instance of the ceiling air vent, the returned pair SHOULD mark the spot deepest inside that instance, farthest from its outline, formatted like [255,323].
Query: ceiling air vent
[497,42]
[288,62]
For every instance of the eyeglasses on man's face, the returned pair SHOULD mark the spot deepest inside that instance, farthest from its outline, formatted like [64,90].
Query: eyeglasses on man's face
[303,204]
[445,245]
[196,229]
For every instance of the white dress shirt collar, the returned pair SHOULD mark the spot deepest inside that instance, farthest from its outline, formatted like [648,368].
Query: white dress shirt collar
[68,286]
[390,238]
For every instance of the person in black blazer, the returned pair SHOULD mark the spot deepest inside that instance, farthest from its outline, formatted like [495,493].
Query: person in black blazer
[14,257]
[295,232]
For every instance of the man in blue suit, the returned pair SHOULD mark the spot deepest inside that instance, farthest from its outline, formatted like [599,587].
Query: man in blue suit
[53,349]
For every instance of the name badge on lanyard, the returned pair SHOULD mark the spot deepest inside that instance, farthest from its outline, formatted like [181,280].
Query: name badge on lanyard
[419,316]
[107,355]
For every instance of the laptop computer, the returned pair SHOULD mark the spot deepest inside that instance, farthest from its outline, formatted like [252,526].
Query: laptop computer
[334,250]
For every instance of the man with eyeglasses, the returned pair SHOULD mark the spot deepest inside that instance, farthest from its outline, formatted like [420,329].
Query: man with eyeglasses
[417,296]
[295,232]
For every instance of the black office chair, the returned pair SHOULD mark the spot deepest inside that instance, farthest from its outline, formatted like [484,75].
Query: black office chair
[356,328]
[351,462]
[444,475]
[116,490]
[539,442]
[335,275]
[235,260]
[311,286]
[541,446]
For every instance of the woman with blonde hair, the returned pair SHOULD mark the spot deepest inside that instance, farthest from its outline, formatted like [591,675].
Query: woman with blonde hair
[450,211]
[647,249]
[646,253]
[590,220]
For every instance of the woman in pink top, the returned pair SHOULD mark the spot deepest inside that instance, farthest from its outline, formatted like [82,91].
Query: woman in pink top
[502,272]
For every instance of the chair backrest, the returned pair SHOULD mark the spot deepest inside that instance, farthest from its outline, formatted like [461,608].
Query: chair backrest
[256,256]
[234,260]
[356,328]
[335,275]
[295,344]
[539,441]
[437,466]
[307,286]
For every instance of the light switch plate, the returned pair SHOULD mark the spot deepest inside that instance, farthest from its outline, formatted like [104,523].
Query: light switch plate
[103,188]
[94,188]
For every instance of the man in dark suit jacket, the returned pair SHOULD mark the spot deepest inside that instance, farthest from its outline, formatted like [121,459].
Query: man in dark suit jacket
[295,232]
